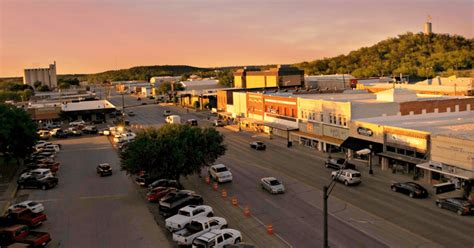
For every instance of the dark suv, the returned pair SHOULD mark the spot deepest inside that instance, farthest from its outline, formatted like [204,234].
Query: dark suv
[459,205]
[38,183]
[104,170]
[171,203]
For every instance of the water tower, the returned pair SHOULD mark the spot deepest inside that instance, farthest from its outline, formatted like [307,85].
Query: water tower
[428,29]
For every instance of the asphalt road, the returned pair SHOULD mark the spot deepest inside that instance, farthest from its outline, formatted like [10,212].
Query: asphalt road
[296,215]
[86,210]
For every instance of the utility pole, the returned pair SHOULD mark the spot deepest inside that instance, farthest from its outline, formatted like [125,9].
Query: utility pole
[123,105]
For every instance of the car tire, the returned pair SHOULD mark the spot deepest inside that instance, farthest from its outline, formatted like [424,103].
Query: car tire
[237,240]
[43,187]
[394,189]
[22,186]
[346,183]
[439,205]
[411,195]
[459,212]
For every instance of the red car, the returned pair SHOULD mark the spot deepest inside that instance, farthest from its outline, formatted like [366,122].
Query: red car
[156,194]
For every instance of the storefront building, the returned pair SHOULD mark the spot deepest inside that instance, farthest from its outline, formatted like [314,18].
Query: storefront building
[280,115]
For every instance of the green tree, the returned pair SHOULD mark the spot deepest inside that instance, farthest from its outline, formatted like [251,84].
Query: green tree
[37,84]
[173,151]
[226,78]
[165,87]
[196,104]
[64,85]
[17,132]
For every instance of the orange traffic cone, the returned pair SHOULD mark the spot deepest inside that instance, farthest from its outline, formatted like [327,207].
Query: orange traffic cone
[234,201]
[270,229]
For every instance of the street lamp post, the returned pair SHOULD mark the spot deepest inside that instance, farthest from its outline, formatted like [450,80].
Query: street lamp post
[326,192]
[371,172]
[123,107]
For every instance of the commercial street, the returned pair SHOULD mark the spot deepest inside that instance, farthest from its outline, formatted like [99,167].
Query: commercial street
[86,210]
[297,215]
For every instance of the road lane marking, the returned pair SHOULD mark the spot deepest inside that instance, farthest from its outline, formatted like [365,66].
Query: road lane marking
[103,197]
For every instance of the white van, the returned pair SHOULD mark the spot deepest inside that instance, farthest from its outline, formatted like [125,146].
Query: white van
[173,119]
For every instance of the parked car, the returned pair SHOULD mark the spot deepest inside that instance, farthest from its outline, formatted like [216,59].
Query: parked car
[272,185]
[173,119]
[459,205]
[53,166]
[197,227]
[220,173]
[38,173]
[348,177]
[124,137]
[338,164]
[77,123]
[43,134]
[104,169]
[90,129]
[166,113]
[154,195]
[35,207]
[23,216]
[74,131]
[185,215]
[218,123]
[54,147]
[164,183]
[16,235]
[173,202]
[145,180]
[58,133]
[191,122]
[410,188]
[39,183]
[41,143]
[218,238]
[258,145]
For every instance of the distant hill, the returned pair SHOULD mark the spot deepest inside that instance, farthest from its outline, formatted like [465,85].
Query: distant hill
[417,55]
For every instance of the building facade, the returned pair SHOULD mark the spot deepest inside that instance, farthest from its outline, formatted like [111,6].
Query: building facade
[281,76]
[47,76]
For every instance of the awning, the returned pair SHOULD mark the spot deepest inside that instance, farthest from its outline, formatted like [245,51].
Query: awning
[455,172]
[400,157]
[250,120]
[356,144]
[327,139]
[279,126]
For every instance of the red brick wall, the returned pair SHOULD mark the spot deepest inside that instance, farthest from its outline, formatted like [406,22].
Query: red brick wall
[430,105]
[281,108]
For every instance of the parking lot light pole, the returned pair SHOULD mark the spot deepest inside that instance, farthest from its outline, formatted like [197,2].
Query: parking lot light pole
[326,192]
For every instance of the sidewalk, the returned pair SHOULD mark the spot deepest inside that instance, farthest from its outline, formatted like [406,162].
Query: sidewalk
[253,231]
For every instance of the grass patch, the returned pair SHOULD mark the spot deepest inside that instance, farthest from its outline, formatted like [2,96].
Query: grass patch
[7,169]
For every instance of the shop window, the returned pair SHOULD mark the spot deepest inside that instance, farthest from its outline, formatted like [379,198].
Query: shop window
[410,153]
[344,121]
[420,155]
[339,120]
[401,151]
[322,117]
[391,149]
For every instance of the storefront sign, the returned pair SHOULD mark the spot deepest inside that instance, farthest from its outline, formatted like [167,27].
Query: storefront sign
[335,132]
[365,131]
[406,141]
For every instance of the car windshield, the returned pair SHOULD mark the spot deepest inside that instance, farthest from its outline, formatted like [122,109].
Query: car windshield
[32,204]
[221,169]
[274,182]
[184,213]
[356,175]
[195,226]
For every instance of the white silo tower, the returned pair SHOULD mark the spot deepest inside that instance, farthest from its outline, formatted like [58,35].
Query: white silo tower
[428,29]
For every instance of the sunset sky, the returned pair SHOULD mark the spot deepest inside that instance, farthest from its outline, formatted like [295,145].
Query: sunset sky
[87,36]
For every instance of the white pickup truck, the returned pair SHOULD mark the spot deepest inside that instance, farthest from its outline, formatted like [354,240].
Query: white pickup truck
[198,227]
[186,215]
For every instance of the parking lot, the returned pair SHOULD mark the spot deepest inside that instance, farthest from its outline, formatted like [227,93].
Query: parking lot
[86,210]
